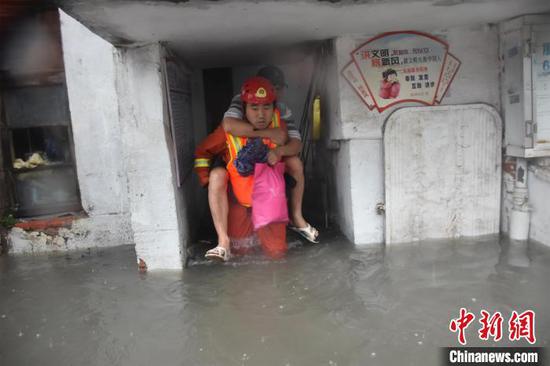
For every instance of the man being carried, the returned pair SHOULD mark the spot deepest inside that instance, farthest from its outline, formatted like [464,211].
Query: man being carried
[233,123]
[230,209]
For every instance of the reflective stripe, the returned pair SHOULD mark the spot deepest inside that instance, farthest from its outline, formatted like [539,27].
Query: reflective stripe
[202,163]
[235,144]
[276,119]
[242,186]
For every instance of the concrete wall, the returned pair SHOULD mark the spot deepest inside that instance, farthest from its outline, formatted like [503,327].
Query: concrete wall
[538,182]
[90,77]
[337,155]
[122,146]
[146,153]
[93,103]
[476,82]
[341,190]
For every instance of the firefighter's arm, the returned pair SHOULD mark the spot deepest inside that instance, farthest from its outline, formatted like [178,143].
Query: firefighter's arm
[238,127]
[213,145]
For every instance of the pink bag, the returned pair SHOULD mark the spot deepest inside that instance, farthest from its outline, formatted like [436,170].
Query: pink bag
[268,195]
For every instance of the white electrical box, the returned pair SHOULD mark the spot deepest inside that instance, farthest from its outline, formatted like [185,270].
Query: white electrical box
[525,85]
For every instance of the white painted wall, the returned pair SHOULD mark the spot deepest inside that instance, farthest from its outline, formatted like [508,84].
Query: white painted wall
[93,103]
[506,201]
[338,156]
[476,82]
[343,206]
[151,183]
[367,172]
[224,33]
[122,151]
[538,182]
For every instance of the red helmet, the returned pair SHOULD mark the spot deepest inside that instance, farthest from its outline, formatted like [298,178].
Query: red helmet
[258,90]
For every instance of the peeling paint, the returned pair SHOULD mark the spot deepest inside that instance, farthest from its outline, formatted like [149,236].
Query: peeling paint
[84,233]
[34,242]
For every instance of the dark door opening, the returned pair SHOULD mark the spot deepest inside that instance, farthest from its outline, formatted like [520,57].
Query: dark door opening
[218,91]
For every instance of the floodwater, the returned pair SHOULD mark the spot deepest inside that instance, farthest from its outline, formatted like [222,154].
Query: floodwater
[328,304]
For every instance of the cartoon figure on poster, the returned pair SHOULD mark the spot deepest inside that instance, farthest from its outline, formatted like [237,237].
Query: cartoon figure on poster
[403,66]
[389,86]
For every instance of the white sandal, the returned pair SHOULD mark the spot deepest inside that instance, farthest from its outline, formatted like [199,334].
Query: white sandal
[218,253]
[309,233]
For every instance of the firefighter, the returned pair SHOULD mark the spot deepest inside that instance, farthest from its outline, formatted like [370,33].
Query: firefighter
[233,123]
[229,192]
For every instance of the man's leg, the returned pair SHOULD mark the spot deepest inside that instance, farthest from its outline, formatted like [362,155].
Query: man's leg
[219,204]
[295,169]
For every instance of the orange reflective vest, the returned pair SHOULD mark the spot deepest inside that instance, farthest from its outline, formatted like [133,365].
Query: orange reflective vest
[242,186]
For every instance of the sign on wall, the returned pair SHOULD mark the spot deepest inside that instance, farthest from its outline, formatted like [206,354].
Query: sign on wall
[401,67]
[541,86]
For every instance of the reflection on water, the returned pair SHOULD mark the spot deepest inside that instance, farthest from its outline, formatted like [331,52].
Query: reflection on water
[330,304]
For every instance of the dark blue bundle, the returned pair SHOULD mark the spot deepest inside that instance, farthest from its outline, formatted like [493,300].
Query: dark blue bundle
[253,152]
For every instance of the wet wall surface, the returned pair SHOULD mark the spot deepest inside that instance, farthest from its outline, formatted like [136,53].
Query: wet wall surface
[329,304]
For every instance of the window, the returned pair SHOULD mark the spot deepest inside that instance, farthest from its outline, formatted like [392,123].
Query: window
[42,168]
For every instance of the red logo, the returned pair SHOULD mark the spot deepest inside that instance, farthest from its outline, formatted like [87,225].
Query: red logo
[460,324]
[490,326]
[522,326]
[519,326]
